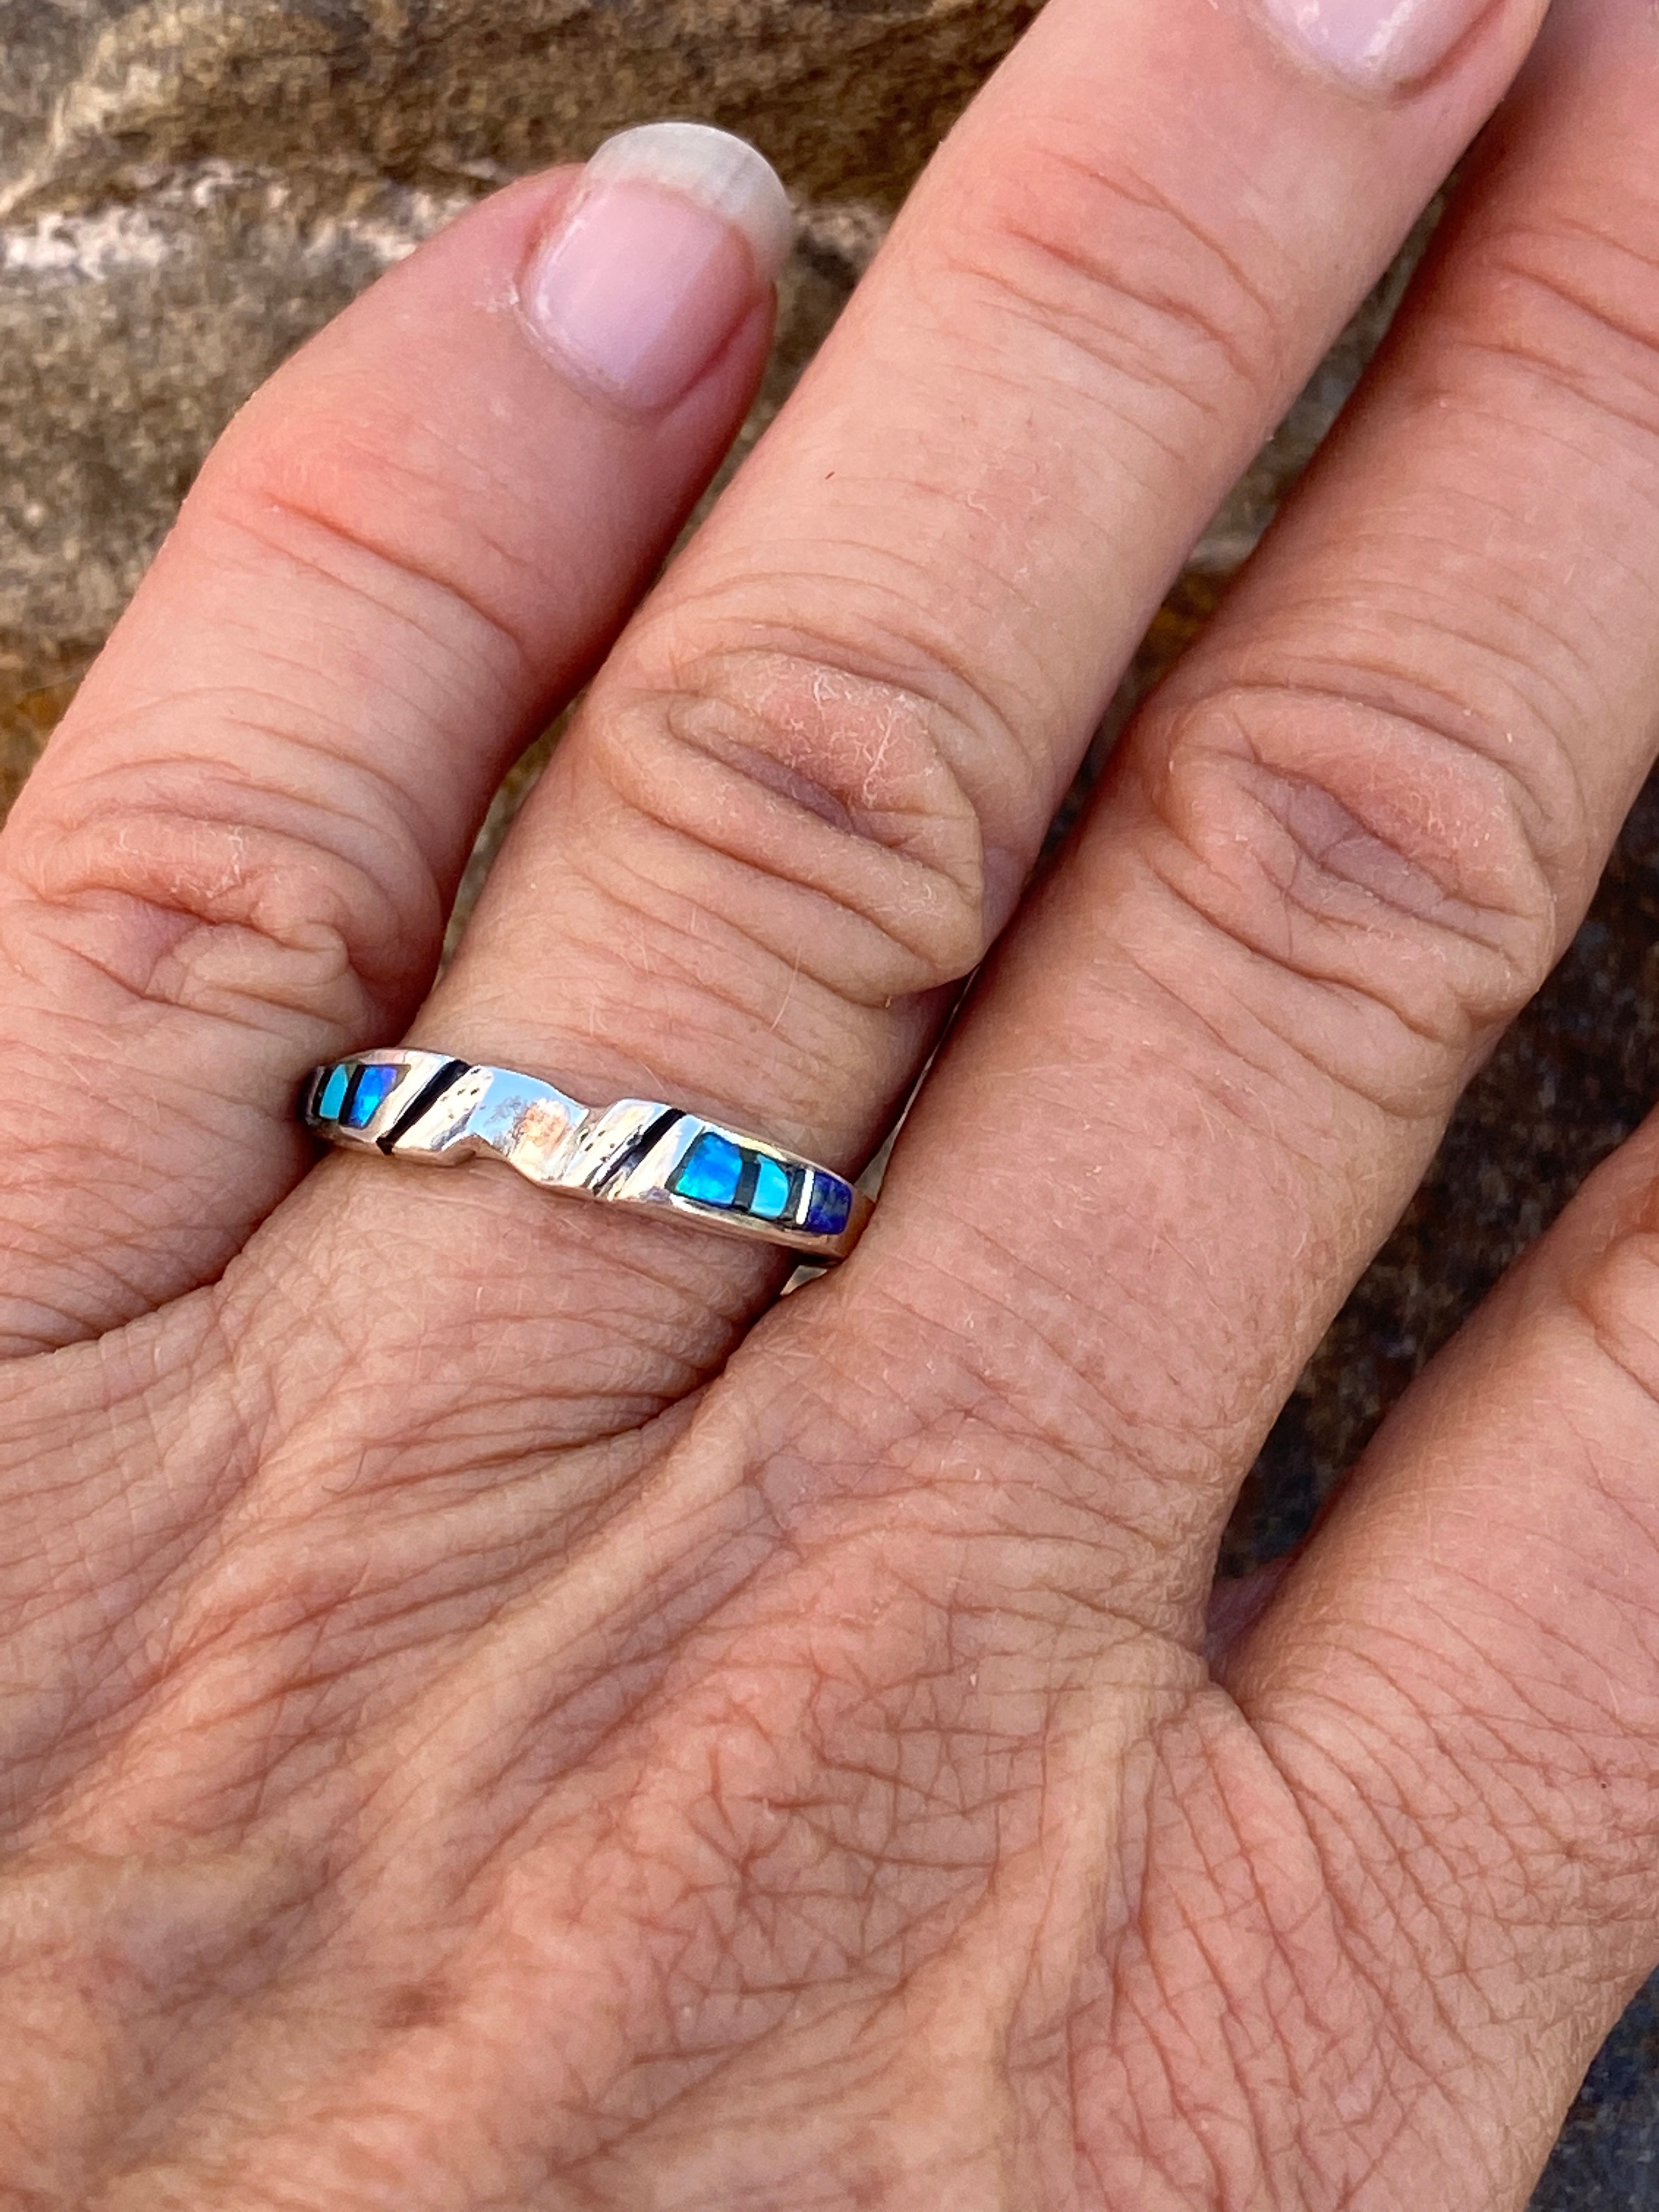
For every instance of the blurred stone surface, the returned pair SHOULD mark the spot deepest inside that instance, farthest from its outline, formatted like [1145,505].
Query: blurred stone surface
[1607,2159]
[188,188]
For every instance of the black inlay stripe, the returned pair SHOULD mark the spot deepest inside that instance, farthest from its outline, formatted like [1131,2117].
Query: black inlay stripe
[631,1155]
[428,1098]
[791,1215]
[743,1197]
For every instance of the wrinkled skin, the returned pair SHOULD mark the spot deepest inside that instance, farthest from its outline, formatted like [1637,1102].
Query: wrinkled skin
[501,1711]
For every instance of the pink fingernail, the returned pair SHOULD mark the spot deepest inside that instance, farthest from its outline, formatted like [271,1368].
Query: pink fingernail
[676,231]
[1377,44]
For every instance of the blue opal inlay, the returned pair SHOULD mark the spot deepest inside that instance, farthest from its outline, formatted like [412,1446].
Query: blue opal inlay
[771,1188]
[831,1205]
[368,1095]
[333,1096]
[710,1171]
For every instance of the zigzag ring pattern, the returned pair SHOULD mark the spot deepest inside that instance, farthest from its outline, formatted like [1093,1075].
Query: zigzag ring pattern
[637,1153]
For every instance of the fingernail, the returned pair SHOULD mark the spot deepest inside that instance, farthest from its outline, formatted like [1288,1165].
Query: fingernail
[676,231]
[1378,45]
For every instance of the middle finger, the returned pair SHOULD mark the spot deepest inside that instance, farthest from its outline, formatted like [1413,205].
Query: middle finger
[807,790]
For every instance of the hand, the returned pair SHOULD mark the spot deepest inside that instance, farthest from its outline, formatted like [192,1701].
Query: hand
[499,1711]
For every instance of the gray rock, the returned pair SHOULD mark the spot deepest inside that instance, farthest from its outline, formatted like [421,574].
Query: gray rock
[847,96]
[188,188]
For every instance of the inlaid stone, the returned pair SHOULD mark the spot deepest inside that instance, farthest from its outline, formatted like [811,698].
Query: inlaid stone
[771,1196]
[711,1171]
[334,1091]
[831,1205]
[368,1095]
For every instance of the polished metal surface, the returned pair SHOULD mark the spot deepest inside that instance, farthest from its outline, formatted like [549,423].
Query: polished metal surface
[637,1153]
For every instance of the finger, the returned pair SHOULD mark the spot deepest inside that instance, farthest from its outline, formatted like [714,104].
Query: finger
[1341,849]
[238,852]
[807,788]
[1462,1673]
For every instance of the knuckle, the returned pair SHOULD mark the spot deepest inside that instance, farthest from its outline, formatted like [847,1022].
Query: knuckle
[1102,259]
[1389,865]
[1573,303]
[224,898]
[1614,1291]
[412,535]
[816,806]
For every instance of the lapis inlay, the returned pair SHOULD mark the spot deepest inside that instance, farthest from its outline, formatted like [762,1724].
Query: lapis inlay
[333,1096]
[831,1204]
[710,1171]
[368,1095]
[771,1188]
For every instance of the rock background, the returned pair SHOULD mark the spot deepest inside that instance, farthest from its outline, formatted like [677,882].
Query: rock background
[188,188]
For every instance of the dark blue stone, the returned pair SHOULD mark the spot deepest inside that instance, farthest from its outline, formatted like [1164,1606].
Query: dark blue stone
[369,1096]
[333,1094]
[831,1206]
[771,1188]
[710,1171]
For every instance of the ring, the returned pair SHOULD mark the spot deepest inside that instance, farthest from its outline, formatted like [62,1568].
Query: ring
[659,1159]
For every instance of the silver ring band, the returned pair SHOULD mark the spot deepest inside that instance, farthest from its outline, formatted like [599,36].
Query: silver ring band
[660,1159]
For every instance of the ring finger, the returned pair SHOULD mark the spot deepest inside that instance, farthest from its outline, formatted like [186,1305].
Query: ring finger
[805,790]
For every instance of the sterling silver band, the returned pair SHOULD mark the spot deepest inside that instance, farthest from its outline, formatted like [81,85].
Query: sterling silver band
[423,1106]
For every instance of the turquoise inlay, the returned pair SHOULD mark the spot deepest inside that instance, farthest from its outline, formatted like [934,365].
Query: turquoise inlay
[710,1171]
[831,1206]
[771,1188]
[334,1091]
[373,1085]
